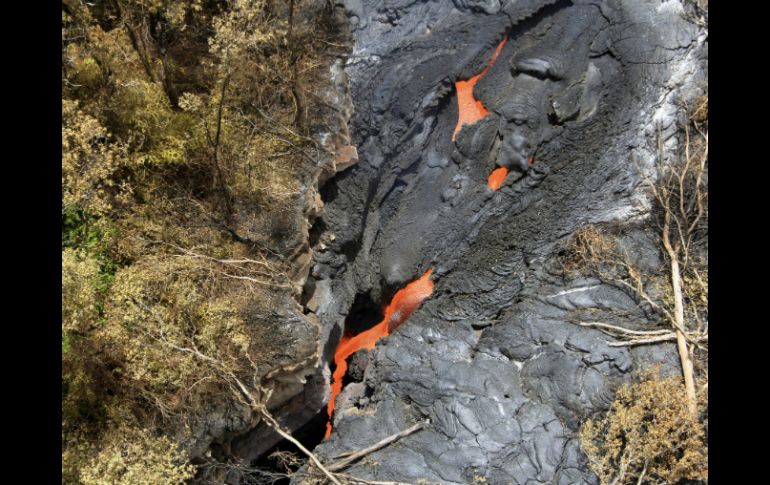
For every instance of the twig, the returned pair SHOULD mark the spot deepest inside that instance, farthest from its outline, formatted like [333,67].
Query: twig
[353,456]
[623,330]
[644,472]
[643,341]
[193,254]
[628,337]
[277,427]
[254,280]
[369,482]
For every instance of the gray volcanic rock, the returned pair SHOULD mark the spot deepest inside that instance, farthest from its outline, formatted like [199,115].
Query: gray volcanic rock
[491,358]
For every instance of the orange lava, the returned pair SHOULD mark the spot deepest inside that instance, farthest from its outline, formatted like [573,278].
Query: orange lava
[497,177]
[470,109]
[404,303]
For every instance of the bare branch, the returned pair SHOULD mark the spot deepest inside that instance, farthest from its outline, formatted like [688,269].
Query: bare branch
[353,456]
[277,427]
[353,479]
[607,326]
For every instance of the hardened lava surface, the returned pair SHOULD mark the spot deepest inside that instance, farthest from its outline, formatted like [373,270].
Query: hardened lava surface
[575,100]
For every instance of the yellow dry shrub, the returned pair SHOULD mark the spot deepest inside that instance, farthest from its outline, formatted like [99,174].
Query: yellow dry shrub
[134,456]
[177,11]
[78,278]
[272,178]
[151,126]
[138,110]
[700,111]
[83,70]
[240,29]
[89,160]
[113,49]
[164,303]
[647,431]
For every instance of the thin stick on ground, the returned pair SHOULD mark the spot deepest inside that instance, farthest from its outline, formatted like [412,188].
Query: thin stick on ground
[610,328]
[355,455]
[627,337]
[277,427]
[353,479]
[681,343]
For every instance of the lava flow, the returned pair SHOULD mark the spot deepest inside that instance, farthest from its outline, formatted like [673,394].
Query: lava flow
[471,109]
[404,303]
[497,177]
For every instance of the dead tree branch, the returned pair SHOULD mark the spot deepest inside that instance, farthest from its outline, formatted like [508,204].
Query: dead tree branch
[350,457]
[277,427]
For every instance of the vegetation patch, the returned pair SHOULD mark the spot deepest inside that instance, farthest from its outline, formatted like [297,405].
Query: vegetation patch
[654,432]
[648,436]
[186,140]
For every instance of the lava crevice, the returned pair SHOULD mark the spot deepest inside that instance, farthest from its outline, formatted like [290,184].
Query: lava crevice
[404,303]
[470,109]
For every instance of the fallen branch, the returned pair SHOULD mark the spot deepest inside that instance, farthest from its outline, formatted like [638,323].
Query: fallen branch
[254,280]
[643,341]
[353,479]
[353,456]
[608,327]
[644,472]
[652,340]
[629,337]
[673,251]
[277,427]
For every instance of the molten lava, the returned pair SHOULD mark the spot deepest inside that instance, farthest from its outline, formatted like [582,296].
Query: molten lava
[471,109]
[404,303]
[497,177]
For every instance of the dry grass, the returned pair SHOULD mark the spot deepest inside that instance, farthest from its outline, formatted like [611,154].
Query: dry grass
[588,247]
[648,436]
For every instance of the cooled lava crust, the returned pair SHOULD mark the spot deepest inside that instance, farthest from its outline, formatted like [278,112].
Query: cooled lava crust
[491,357]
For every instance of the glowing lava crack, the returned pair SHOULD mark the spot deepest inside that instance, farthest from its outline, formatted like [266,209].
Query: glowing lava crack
[404,303]
[497,177]
[470,109]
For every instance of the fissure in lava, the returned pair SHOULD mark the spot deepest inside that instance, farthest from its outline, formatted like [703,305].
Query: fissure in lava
[497,176]
[404,303]
[471,110]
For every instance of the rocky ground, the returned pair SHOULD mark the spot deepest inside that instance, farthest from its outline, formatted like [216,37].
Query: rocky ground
[493,358]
